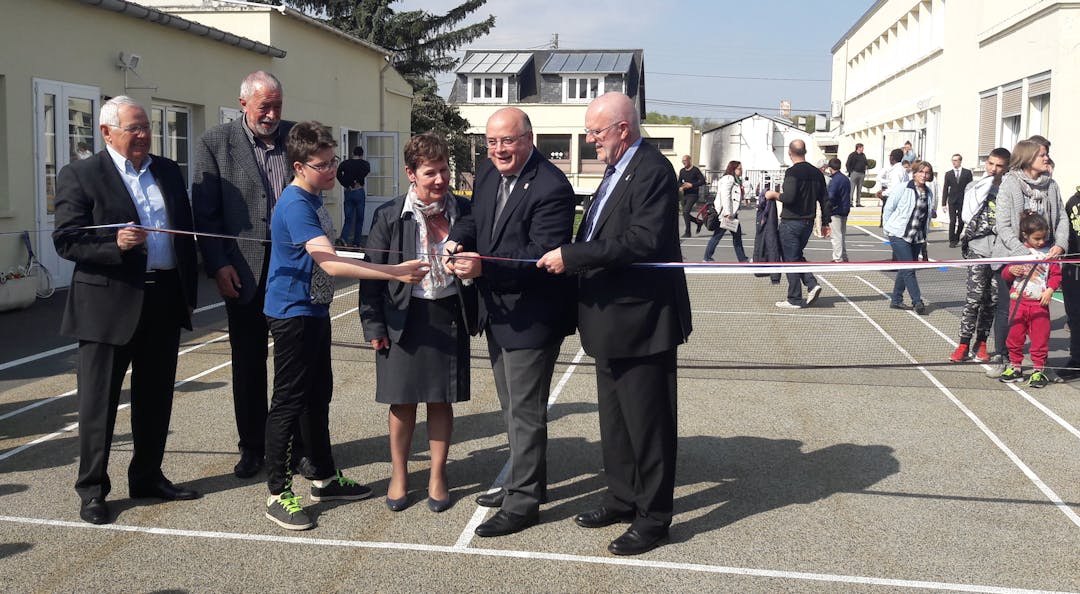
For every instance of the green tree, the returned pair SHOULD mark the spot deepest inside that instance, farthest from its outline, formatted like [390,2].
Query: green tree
[421,44]
[653,117]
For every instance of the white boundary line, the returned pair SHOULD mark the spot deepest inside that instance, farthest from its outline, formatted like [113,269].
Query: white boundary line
[192,378]
[1030,474]
[466,536]
[1015,388]
[73,346]
[565,558]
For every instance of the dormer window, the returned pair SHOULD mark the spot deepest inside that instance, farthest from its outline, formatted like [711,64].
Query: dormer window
[488,89]
[582,89]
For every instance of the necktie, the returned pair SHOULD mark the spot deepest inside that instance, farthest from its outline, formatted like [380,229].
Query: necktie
[504,195]
[597,205]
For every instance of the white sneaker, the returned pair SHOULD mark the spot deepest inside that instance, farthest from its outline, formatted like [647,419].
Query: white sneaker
[785,305]
[812,296]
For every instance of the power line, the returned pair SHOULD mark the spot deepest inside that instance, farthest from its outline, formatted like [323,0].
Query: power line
[721,106]
[819,80]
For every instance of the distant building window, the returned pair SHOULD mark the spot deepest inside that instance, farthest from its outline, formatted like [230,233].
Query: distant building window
[580,89]
[589,162]
[663,144]
[487,89]
[554,146]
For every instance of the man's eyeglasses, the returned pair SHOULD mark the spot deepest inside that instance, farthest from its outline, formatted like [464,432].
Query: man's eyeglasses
[333,163]
[600,131]
[504,141]
[134,128]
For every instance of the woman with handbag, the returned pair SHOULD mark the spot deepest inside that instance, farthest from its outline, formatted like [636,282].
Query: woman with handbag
[727,201]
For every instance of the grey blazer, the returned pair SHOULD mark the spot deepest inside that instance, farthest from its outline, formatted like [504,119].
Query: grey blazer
[228,197]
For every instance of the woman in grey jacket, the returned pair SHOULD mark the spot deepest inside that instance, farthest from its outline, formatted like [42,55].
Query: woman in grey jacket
[1027,186]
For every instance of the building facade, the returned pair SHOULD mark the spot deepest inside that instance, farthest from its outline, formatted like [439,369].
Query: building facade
[759,142]
[554,87]
[183,60]
[959,76]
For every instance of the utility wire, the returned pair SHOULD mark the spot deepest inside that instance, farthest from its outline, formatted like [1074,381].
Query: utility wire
[739,77]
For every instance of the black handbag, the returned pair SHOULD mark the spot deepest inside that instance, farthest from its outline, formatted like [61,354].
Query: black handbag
[712,218]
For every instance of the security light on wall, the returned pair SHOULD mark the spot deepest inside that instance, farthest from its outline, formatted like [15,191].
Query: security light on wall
[128,61]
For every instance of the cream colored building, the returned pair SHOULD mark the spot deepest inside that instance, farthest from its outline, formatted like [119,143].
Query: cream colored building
[960,76]
[554,87]
[183,60]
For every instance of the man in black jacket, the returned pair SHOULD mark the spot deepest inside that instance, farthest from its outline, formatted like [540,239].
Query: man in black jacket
[131,292]
[803,192]
[856,170]
[952,197]
[632,320]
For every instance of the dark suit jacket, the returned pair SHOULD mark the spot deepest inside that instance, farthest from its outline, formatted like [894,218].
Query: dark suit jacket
[521,306]
[625,311]
[953,190]
[106,295]
[228,197]
[384,305]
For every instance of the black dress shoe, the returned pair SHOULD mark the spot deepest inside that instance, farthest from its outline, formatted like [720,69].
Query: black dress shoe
[633,542]
[249,465]
[504,522]
[491,499]
[163,489]
[602,516]
[95,511]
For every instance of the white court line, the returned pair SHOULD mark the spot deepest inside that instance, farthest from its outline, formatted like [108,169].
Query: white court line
[773,314]
[72,347]
[73,426]
[478,516]
[1034,478]
[636,562]
[1015,388]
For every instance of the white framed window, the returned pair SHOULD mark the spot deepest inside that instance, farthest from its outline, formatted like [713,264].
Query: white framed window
[582,89]
[488,89]
[228,114]
[170,129]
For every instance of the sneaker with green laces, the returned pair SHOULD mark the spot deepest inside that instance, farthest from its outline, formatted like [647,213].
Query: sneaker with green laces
[1038,379]
[285,511]
[1012,374]
[338,487]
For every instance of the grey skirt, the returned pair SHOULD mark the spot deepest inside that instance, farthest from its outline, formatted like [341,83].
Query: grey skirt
[431,362]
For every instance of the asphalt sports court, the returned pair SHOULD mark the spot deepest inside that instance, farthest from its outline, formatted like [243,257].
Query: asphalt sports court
[830,449]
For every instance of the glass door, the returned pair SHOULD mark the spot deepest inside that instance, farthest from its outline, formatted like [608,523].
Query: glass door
[65,130]
[381,151]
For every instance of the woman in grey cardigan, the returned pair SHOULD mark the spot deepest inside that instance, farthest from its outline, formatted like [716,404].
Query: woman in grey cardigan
[1027,186]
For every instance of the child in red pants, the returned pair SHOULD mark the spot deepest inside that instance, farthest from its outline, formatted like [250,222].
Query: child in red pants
[1032,286]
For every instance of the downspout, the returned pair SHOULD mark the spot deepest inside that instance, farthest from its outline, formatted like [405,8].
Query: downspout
[382,96]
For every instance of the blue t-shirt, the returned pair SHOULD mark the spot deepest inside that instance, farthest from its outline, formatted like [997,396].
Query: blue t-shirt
[288,279]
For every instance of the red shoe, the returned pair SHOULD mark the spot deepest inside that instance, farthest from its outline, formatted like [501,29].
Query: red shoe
[960,354]
[980,352]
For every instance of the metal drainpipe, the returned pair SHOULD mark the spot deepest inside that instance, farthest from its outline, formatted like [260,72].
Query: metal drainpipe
[382,96]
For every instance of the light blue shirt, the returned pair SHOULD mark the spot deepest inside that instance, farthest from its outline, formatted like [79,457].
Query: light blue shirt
[620,167]
[150,204]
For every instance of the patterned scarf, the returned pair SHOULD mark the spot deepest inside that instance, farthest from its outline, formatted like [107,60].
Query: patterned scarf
[1034,190]
[433,222]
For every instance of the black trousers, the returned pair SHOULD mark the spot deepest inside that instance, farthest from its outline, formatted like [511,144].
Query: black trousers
[956,226]
[637,399]
[303,385]
[688,202]
[1070,294]
[151,352]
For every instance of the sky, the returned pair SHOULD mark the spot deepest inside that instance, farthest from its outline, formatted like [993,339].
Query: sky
[703,58]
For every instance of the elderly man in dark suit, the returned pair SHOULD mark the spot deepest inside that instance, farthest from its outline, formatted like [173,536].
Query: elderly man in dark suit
[952,197]
[523,206]
[131,292]
[240,170]
[631,320]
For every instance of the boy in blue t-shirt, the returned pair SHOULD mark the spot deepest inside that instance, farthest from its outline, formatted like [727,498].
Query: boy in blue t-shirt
[299,290]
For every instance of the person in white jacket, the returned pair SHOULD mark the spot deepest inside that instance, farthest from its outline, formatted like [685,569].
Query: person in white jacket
[728,198]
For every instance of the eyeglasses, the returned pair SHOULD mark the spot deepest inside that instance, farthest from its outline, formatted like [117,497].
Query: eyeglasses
[332,164]
[134,128]
[600,131]
[506,140]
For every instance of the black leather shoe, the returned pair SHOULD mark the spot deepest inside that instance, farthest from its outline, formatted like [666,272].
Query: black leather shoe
[633,542]
[504,522]
[163,489]
[491,499]
[601,516]
[95,511]
[249,465]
